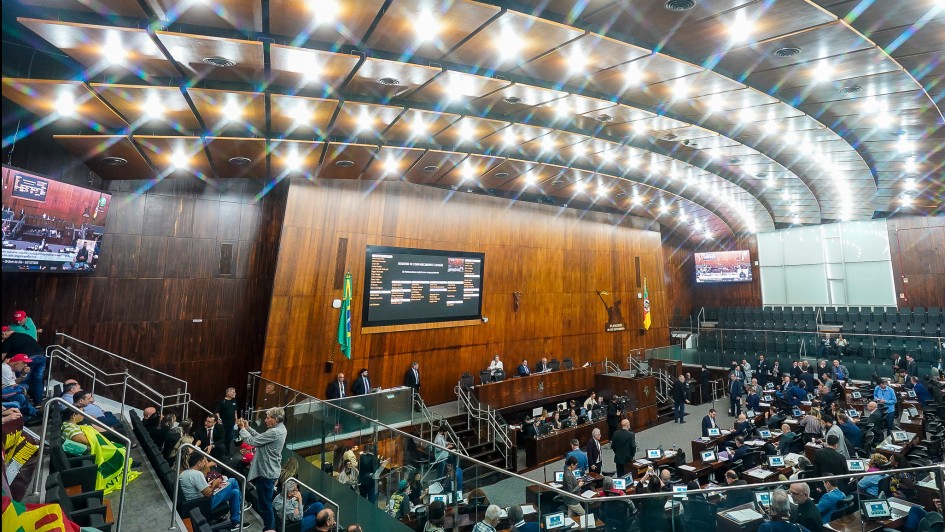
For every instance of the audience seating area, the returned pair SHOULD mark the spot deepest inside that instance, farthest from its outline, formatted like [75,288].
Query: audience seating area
[874,334]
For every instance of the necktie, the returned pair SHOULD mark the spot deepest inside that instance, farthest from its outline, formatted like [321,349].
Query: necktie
[367,387]
[341,388]
[416,376]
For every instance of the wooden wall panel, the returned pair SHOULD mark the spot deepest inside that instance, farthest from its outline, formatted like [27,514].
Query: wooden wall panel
[159,272]
[556,258]
[917,245]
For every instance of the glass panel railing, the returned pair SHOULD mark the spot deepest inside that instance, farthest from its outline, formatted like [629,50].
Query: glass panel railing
[388,478]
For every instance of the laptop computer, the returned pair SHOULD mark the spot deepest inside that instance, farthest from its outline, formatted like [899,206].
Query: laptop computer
[900,436]
[764,433]
[911,394]
[749,413]
[763,500]
[559,476]
[620,484]
[913,411]
[709,456]
[654,454]
[776,461]
[680,491]
[878,509]
[856,466]
[856,395]
[797,412]
[767,398]
[554,521]
[715,432]
[853,413]
[444,498]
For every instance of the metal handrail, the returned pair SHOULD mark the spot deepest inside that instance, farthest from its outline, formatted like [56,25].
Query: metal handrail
[489,416]
[311,489]
[126,467]
[113,355]
[200,451]
[894,336]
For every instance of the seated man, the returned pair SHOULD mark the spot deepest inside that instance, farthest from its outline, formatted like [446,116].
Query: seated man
[523,369]
[829,500]
[787,438]
[294,506]
[193,483]
[69,389]
[86,401]
[13,391]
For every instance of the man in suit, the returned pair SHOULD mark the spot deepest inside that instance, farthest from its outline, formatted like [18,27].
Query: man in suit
[594,458]
[796,371]
[805,513]
[736,389]
[838,372]
[787,438]
[708,422]
[337,388]
[542,366]
[530,428]
[737,497]
[912,367]
[827,461]
[742,425]
[873,420]
[762,370]
[412,377]
[624,445]
[740,449]
[523,369]
[679,400]
[210,437]
[897,363]
[362,385]
[367,465]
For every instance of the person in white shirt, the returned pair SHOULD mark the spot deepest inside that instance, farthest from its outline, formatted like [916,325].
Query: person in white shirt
[590,402]
[495,365]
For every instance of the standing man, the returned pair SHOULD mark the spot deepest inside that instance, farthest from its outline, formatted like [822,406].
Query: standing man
[735,391]
[577,453]
[362,386]
[886,397]
[24,324]
[20,342]
[336,388]
[211,438]
[367,465]
[226,410]
[708,422]
[762,371]
[267,463]
[679,400]
[897,363]
[912,367]
[412,380]
[594,458]
[573,485]
[624,445]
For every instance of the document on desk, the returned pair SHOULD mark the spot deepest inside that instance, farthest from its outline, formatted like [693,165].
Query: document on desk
[892,448]
[687,468]
[588,494]
[904,508]
[758,473]
[528,509]
[555,485]
[743,516]
[588,521]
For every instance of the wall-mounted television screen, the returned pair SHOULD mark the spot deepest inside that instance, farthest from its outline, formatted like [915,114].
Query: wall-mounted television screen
[50,226]
[405,286]
[723,267]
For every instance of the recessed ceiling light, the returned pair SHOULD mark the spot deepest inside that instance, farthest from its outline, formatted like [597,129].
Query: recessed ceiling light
[823,71]
[906,200]
[509,43]
[547,143]
[388,82]
[680,89]
[562,109]
[430,169]
[241,162]
[740,29]
[577,60]
[232,110]
[602,191]
[365,120]
[65,104]
[293,162]
[679,5]
[664,208]
[465,131]
[512,100]
[787,51]
[640,128]
[607,156]
[631,75]
[391,164]
[114,161]
[419,126]
[580,150]
[112,49]
[219,62]
[909,184]
[530,178]
[325,11]
[179,160]
[911,164]
[153,108]
[344,163]
[426,26]
[508,137]
[580,186]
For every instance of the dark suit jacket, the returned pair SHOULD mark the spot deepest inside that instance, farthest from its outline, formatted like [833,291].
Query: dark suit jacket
[898,362]
[411,380]
[358,387]
[707,424]
[912,369]
[217,440]
[808,516]
[828,462]
[334,390]
[735,498]
[624,445]
[529,430]
[523,370]
[541,367]
[367,465]
[594,454]
[740,452]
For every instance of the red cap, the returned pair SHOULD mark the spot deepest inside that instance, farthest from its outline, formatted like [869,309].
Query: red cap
[20,358]
[5,328]
[19,315]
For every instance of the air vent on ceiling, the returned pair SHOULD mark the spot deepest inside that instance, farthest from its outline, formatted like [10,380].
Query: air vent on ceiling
[241,162]
[512,100]
[621,193]
[344,163]
[760,175]
[850,89]
[670,137]
[899,133]
[430,169]
[679,5]
[501,175]
[734,160]
[604,118]
[114,161]
[219,62]
[787,51]
[389,82]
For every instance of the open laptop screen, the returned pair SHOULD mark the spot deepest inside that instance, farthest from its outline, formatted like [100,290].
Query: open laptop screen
[555,520]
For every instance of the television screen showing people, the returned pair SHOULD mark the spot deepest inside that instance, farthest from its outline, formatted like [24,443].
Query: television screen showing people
[723,267]
[50,226]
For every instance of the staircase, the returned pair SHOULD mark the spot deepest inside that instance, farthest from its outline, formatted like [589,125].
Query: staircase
[664,385]
[486,437]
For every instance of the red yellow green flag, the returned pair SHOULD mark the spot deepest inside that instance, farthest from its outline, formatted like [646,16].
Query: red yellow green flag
[646,307]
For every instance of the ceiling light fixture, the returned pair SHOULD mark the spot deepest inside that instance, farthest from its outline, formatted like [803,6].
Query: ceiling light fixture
[426,26]
[740,28]
[607,156]
[509,43]
[547,144]
[293,162]
[909,184]
[632,76]
[577,60]
[232,110]
[561,108]
[906,200]
[580,150]
[112,49]
[391,164]
[580,186]
[823,71]
[465,131]
[179,160]
[508,137]
[664,208]
[640,128]
[680,89]
[153,108]
[419,126]
[911,164]
[365,120]
[602,191]
[324,11]
[301,115]
[65,104]
[530,178]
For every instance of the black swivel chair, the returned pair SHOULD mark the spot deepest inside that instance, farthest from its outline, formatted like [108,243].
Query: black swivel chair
[568,363]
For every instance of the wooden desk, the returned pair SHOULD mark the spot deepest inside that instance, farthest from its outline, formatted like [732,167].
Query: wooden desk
[515,391]
[727,525]
[542,495]
[700,470]
[699,444]
[852,522]
[554,446]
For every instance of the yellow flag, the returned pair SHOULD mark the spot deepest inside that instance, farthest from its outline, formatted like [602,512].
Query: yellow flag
[646,307]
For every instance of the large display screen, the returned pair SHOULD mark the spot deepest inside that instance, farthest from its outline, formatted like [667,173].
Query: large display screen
[404,286]
[50,226]
[723,267]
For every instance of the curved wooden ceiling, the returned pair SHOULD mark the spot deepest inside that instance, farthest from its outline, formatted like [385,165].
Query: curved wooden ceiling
[699,119]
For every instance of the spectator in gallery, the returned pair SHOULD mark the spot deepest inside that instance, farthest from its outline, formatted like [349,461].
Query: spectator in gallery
[591,402]
[15,343]
[267,463]
[13,391]
[24,324]
[226,410]
[362,385]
